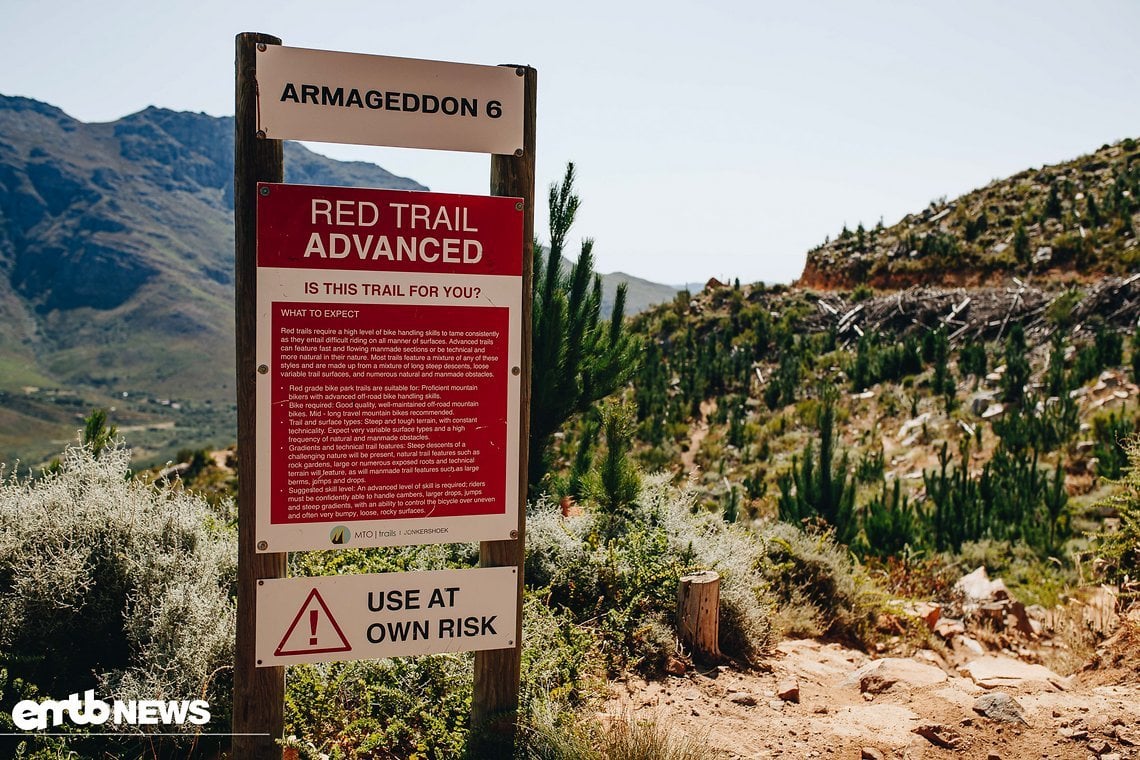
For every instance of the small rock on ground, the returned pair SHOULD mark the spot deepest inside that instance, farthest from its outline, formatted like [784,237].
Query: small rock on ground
[1001,707]
[742,698]
[940,735]
[789,691]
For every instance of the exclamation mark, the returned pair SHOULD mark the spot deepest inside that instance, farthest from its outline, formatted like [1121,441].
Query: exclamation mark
[313,627]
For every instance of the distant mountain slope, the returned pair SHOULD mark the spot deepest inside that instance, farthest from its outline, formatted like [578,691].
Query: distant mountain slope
[116,266]
[116,261]
[640,294]
[1074,219]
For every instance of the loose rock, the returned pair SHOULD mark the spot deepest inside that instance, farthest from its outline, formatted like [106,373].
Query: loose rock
[940,735]
[742,698]
[1098,747]
[1126,738]
[789,691]
[1001,707]
[992,672]
[878,676]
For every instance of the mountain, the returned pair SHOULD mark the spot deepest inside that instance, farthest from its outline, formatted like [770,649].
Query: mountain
[116,269]
[639,294]
[1066,220]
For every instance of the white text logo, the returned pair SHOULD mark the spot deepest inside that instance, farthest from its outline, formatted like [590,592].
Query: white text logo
[89,711]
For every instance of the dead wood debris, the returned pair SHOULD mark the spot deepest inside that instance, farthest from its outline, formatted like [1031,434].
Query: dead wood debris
[977,313]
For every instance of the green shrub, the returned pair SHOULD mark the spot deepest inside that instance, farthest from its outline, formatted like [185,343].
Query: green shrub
[1118,551]
[822,488]
[1111,433]
[626,587]
[561,661]
[115,584]
[383,560]
[889,523]
[972,360]
[614,482]
[397,708]
[813,578]
[1059,313]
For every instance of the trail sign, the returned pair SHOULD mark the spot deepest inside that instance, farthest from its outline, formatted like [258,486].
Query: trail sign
[355,617]
[389,337]
[379,100]
[443,276]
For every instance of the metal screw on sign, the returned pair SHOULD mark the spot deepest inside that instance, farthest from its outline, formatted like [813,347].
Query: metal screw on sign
[514,534]
[261,583]
[262,545]
[515,371]
[262,369]
[519,206]
[261,47]
[519,153]
[264,191]
[520,71]
[260,135]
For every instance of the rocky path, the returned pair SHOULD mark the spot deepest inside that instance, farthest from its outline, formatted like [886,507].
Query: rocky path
[825,701]
[697,436]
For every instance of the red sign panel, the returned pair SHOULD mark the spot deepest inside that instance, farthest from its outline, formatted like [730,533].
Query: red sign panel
[388,341]
[343,228]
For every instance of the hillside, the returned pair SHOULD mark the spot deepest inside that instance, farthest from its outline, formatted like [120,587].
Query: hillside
[1074,219]
[957,400]
[956,426]
[116,262]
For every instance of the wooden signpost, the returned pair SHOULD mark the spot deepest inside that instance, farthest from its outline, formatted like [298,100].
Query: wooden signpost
[377,309]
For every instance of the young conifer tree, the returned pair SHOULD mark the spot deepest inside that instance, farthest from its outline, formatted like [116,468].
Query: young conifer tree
[821,487]
[578,359]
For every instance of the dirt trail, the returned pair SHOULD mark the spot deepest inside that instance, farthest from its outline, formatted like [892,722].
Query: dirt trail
[698,434]
[832,709]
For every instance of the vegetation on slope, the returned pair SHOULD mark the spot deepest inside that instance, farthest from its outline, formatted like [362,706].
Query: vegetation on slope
[1075,217]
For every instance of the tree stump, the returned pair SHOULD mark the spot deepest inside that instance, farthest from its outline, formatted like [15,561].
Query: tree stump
[698,614]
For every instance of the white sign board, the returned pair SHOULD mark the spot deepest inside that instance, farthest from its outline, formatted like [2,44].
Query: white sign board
[388,405]
[378,100]
[361,617]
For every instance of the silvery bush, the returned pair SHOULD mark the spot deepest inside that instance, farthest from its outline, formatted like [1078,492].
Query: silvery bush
[113,583]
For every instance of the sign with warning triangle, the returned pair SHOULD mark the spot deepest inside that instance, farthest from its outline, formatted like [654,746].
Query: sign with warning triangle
[313,631]
[357,617]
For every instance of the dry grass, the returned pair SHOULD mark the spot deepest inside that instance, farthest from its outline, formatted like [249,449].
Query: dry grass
[583,736]
[1073,640]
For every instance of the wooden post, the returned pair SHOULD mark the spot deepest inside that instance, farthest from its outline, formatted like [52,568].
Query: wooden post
[259,693]
[496,697]
[698,614]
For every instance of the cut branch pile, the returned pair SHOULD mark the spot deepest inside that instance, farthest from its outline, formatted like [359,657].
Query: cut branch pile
[976,313]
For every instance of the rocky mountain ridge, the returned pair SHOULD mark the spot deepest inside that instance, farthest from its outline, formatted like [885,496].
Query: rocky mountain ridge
[116,266]
[1072,220]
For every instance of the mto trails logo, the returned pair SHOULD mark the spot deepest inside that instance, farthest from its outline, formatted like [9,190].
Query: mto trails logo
[29,715]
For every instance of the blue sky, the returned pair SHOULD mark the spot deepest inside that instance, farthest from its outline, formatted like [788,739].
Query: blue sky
[712,139]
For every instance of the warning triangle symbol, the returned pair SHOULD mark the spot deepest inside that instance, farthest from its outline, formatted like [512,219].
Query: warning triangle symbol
[313,630]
